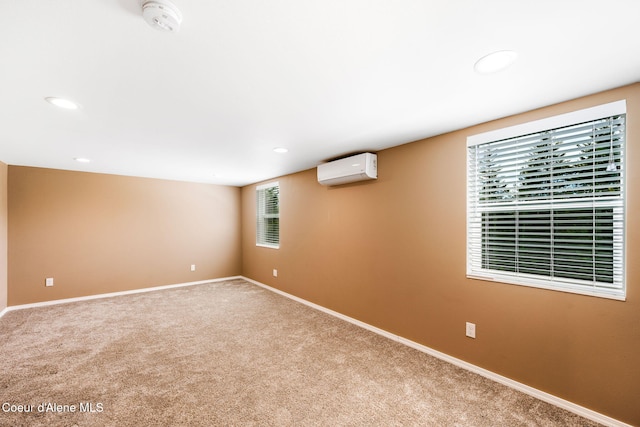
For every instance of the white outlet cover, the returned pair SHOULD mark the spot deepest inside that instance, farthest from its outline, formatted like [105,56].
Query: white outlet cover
[48,281]
[471,330]
[275,273]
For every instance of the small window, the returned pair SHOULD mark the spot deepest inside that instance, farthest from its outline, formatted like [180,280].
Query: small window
[545,203]
[268,215]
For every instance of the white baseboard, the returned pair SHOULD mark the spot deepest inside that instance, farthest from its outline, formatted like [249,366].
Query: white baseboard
[538,394]
[112,294]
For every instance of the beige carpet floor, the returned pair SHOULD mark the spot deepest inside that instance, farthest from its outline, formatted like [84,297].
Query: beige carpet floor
[233,354]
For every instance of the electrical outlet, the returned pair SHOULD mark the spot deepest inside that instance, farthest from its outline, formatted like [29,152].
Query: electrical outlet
[275,273]
[193,267]
[471,330]
[48,281]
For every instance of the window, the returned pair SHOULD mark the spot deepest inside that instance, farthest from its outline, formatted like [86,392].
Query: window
[268,215]
[545,203]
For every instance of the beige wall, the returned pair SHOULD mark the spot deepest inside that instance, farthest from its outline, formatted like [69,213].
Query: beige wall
[391,253]
[3,236]
[96,233]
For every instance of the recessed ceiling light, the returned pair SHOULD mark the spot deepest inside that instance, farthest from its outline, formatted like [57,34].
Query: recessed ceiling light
[62,103]
[496,61]
[280,150]
[82,159]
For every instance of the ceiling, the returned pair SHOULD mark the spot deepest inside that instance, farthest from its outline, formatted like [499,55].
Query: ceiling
[322,78]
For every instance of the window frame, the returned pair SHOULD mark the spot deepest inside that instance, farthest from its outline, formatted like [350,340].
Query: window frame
[475,269]
[261,216]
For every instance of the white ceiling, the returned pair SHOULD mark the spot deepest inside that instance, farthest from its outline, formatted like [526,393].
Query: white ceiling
[320,77]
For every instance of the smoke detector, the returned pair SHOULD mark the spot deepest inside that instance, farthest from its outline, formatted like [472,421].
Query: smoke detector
[161,15]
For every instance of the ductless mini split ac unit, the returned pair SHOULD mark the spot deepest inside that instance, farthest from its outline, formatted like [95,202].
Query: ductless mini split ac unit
[360,167]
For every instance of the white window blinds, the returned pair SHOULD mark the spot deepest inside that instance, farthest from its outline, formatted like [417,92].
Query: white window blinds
[546,208]
[268,215]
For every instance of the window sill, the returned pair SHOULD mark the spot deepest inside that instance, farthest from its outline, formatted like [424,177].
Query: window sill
[262,245]
[614,294]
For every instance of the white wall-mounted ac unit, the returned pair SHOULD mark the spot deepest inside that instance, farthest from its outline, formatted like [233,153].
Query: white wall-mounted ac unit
[360,167]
